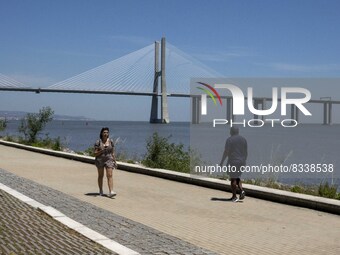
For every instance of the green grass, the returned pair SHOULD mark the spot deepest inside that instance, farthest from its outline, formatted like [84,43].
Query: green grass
[47,142]
[329,191]
[322,190]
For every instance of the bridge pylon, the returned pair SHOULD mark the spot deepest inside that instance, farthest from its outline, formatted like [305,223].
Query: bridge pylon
[162,75]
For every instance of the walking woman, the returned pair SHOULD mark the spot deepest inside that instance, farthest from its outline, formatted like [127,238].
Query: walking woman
[105,158]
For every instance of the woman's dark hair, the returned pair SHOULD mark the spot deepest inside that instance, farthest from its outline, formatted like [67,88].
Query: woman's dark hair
[101,131]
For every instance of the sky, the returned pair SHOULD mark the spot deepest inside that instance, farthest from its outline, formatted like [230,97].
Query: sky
[44,42]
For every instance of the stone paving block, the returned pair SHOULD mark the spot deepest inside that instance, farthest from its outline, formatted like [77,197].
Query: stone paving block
[34,204]
[119,248]
[22,237]
[69,222]
[91,234]
[51,211]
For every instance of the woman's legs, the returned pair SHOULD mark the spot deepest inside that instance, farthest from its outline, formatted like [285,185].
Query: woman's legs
[100,179]
[109,179]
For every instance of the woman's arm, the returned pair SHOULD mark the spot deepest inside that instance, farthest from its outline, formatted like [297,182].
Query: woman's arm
[97,149]
[98,152]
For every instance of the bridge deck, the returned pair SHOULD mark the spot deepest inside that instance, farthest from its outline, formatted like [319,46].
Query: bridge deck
[185,211]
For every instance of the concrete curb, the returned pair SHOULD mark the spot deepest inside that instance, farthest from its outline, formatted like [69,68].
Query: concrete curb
[280,196]
[72,224]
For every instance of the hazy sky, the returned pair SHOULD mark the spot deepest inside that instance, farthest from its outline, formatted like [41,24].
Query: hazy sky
[43,42]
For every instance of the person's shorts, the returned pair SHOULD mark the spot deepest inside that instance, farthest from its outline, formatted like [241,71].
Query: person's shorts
[235,172]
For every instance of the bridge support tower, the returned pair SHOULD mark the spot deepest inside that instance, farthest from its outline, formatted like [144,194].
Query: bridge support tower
[162,75]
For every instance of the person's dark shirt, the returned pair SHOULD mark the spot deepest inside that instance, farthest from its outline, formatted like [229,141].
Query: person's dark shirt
[237,148]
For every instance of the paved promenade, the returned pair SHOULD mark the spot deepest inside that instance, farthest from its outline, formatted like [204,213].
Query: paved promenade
[156,216]
[26,230]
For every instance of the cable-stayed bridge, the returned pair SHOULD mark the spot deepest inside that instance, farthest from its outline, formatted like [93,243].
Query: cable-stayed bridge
[151,71]
[159,70]
[9,83]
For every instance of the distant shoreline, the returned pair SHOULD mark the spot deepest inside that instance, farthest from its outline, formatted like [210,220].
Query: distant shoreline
[17,115]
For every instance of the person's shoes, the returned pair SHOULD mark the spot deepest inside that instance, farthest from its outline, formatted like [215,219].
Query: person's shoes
[112,194]
[235,199]
[101,193]
[242,195]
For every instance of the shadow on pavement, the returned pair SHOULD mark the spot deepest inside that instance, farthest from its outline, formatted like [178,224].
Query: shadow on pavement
[93,194]
[223,199]
[96,194]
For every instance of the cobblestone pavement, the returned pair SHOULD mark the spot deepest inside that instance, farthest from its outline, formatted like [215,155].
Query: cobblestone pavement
[26,230]
[133,235]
